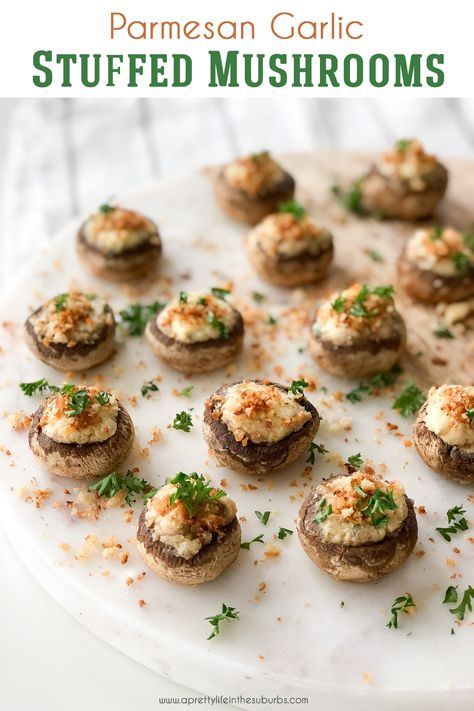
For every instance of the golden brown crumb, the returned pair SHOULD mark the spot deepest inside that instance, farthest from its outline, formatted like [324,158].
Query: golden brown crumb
[141,603]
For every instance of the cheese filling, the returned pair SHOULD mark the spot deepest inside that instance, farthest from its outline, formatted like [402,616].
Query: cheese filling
[260,413]
[196,317]
[117,229]
[337,320]
[96,423]
[447,414]
[255,175]
[446,252]
[408,167]
[357,509]
[71,319]
[282,234]
[173,526]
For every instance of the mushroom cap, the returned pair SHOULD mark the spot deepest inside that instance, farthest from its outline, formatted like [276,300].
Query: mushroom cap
[82,461]
[206,565]
[241,206]
[451,461]
[377,196]
[306,268]
[81,356]
[128,265]
[358,564]
[196,357]
[364,357]
[257,458]
[431,287]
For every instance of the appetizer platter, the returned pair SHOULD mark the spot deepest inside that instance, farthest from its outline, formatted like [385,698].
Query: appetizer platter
[237,431]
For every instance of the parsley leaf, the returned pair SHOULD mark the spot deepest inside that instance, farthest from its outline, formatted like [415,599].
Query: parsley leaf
[350,199]
[183,421]
[311,449]
[324,511]
[470,415]
[217,324]
[114,483]
[293,207]
[136,316]
[37,386]
[465,604]
[451,594]
[455,516]
[356,394]
[186,392]
[443,333]
[284,532]
[258,297]
[263,517]
[78,401]
[297,386]
[468,239]
[183,297]
[271,320]
[105,208]
[374,255]
[410,400]
[227,614]
[355,461]
[103,398]
[375,507]
[461,262]
[149,387]
[403,144]
[338,304]
[219,293]
[247,544]
[404,603]
[60,301]
[193,490]
[387,378]
[436,233]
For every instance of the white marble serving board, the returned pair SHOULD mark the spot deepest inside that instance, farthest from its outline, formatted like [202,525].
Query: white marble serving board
[294,637]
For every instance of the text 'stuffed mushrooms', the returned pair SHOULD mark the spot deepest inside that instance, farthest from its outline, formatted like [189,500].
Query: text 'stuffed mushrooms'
[119,244]
[444,432]
[289,249]
[406,183]
[72,331]
[358,527]
[258,427]
[437,265]
[197,332]
[81,432]
[358,332]
[188,531]
[250,188]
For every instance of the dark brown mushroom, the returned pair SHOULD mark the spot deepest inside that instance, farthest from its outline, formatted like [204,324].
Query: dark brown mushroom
[431,287]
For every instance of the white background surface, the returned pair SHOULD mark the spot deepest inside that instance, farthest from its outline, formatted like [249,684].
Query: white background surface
[62,159]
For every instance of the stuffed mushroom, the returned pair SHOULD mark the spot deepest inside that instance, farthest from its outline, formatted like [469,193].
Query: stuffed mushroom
[72,331]
[444,432]
[437,265]
[358,332]
[188,532]
[119,244]
[406,183]
[81,432]
[289,249]
[197,332]
[258,427]
[358,527]
[250,188]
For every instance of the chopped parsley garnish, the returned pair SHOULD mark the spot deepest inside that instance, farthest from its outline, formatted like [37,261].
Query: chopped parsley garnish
[114,483]
[436,233]
[105,208]
[293,207]
[60,301]
[410,400]
[261,154]
[461,262]
[217,324]
[350,199]
[376,506]
[183,421]
[403,144]
[136,316]
[103,398]
[246,545]
[258,297]
[37,386]
[271,320]
[443,333]
[457,522]
[193,490]
[404,603]
[470,415]
[338,304]
[324,511]
[297,386]
[356,394]
[78,401]
[385,292]
[220,293]
[149,387]
[468,239]
[228,614]
[202,301]
[186,392]
[284,532]
[465,604]
[263,517]
[377,382]
[355,461]
[358,307]
[315,447]
[374,255]
[183,297]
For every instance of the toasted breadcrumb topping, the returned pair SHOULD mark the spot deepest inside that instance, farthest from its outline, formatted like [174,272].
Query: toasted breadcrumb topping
[259,412]
[346,524]
[435,250]
[96,423]
[195,319]
[447,414]
[343,327]
[185,535]
[255,175]
[71,319]
[118,229]
[408,166]
[282,234]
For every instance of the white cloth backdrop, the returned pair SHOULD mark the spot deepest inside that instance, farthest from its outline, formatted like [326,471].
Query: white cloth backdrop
[66,156]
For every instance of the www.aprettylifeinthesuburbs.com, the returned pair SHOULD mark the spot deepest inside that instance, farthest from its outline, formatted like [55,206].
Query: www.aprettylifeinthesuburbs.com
[233,700]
